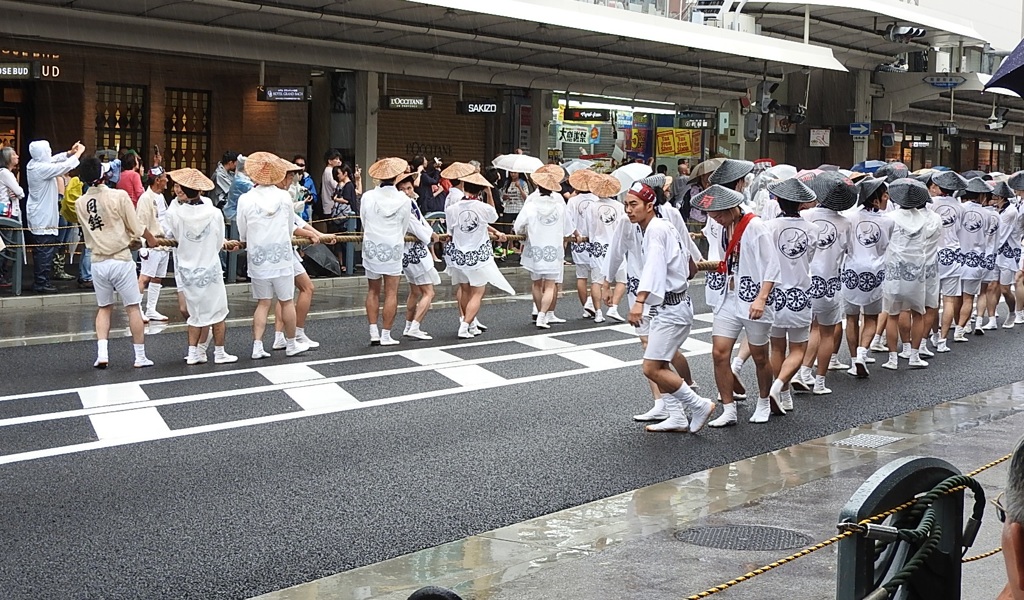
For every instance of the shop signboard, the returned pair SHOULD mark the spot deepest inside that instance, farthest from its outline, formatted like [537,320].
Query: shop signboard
[19,70]
[674,141]
[579,134]
[525,119]
[587,115]
[296,93]
[821,138]
[405,102]
[477,108]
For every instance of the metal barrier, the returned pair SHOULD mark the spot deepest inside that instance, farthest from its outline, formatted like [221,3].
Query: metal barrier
[879,554]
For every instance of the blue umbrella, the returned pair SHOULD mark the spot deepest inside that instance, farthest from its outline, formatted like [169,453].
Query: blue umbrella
[868,166]
[1010,75]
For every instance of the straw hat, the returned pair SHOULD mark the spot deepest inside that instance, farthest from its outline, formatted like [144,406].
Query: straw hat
[289,165]
[834,190]
[547,180]
[477,179]
[458,170]
[717,198]
[405,177]
[581,180]
[265,168]
[557,170]
[192,179]
[731,170]
[605,186]
[794,190]
[909,193]
[387,168]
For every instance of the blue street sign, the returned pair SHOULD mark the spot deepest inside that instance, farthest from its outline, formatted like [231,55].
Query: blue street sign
[860,129]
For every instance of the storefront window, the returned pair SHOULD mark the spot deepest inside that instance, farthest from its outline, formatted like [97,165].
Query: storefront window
[187,128]
[120,116]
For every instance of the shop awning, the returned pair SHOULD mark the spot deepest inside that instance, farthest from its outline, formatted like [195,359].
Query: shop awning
[909,98]
[549,44]
[854,28]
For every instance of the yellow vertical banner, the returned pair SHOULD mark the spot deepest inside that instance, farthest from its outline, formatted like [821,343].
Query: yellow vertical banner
[672,141]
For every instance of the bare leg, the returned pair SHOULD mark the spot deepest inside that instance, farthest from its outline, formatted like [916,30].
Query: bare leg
[825,347]
[473,304]
[304,299]
[950,310]
[853,333]
[103,322]
[965,310]
[537,290]
[764,368]
[390,299]
[812,345]
[682,366]
[870,326]
[905,327]
[135,324]
[617,293]
[373,300]
[919,329]
[721,354]
[193,336]
[411,302]
[792,363]
[549,292]
[426,298]
[259,319]
[582,291]
[288,316]
[220,331]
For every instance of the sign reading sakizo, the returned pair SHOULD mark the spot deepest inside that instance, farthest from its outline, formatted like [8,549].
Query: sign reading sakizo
[477,108]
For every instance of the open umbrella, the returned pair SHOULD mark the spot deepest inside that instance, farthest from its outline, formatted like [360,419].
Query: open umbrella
[517,163]
[631,173]
[706,168]
[868,166]
[321,261]
[576,164]
[1010,75]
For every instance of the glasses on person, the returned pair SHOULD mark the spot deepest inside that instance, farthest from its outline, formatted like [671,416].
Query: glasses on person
[1000,509]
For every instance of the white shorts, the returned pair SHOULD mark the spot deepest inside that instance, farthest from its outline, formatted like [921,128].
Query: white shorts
[373,275]
[728,323]
[991,275]
[154,263]
[644,329]
[872,309]
[795,335]
[298,268]
[664,339]
[111,276]
[556,277]
[582,271]
[283,288]
[971,287]
[827,311]
[951,286]
[1006,276]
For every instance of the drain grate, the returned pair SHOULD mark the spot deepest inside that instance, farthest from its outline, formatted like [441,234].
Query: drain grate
[867,440]
[744,537]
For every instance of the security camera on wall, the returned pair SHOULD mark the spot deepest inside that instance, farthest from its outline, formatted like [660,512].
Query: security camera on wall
[998,119]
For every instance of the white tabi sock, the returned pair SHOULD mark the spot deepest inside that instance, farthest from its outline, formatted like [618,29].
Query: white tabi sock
[737,364]
[140,351]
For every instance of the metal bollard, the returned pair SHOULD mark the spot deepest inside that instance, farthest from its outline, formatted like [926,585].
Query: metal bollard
[862,571]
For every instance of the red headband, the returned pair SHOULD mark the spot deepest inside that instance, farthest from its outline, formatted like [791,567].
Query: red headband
[643,192]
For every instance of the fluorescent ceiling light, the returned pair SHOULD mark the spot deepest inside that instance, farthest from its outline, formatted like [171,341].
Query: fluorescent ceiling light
[622,107]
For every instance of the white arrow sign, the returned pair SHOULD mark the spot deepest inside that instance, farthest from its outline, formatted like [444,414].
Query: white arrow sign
[860,129]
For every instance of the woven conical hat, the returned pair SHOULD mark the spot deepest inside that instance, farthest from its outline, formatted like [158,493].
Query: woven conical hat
[581,180]
[605,186]
[192,179]
[387,168]
[265,168]
[458,170]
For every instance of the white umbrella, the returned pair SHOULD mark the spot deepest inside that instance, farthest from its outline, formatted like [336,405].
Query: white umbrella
[577,164]
[631,173]
[518,163]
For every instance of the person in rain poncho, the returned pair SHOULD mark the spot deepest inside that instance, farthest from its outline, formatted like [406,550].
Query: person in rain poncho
[626,247]
[795,241]
[417,264]
[265,223]
[576,211]
[911,270]
[42,210]
[864,271]
[385,216]
[836,193]
[199,229]
[976,246]
[668,266]
[543,221]
[1011,230]
[600,217]
[469,254]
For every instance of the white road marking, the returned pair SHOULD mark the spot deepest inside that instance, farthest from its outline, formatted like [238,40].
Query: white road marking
[289,373]
[110,395]
[592,359]
[323,398]
[429,356]
[544,342]
[472,375]
[136,425]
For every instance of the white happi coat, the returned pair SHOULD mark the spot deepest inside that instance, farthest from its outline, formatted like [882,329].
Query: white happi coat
[833,246]
[199,229]
[864,270]
[911,270]
[265,224]
[543,221]
[977,242]
[626,244]
[575,211]
[384,212]
[951,212]
[666,273]
[1011,230]
[415,261]
[795,241]
[758,263]
[600,217]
